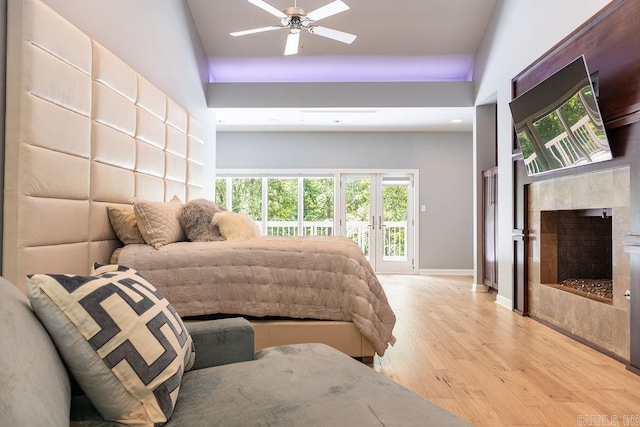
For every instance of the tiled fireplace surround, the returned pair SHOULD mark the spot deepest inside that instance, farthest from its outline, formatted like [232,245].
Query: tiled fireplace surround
[602,325]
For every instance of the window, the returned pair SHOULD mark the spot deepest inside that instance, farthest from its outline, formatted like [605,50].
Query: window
[283,206]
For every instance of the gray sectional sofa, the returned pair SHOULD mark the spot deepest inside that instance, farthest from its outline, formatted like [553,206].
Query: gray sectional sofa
[229,385]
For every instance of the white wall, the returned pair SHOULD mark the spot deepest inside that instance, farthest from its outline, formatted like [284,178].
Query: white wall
[444,161]
[520,32]
[158,39]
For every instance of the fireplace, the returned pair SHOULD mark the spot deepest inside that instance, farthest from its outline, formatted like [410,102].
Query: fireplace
[581,240]
[574,219]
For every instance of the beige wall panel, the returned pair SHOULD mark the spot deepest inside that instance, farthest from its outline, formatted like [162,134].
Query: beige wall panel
[175,168]
[99,222]
[111,184]
[173,188]
[46,173]
[112,109]
[149,187]
[46,221]
[111,71]
[101,251]
[176,116]
[56,35]
[47,77]
[194,192]
[47,125]
[176,141]
[196,128]
[112,147]
[151,99]
[150,129]
[149,159]
[195,173]
[58,259]
[196,150]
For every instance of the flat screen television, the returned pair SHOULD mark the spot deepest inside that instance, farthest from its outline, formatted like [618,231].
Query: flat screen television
[558,123]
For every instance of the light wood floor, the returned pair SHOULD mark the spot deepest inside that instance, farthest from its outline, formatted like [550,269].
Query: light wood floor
[486,364]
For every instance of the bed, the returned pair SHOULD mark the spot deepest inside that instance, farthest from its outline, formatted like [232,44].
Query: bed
[325,278]
[85,132]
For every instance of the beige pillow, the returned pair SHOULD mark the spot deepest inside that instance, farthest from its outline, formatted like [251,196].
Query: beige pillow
[123,221]
[159,222]
[235,226]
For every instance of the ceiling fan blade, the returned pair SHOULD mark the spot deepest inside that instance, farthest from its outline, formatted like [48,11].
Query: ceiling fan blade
[340,36]
[293,40]
[325,11]
[268,8]
[255,30]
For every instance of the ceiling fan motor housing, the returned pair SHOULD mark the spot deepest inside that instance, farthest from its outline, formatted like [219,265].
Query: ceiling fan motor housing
[295,12]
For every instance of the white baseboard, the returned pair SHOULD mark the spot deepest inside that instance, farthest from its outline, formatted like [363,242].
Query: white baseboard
[479,288]
[445,272]
[504,302]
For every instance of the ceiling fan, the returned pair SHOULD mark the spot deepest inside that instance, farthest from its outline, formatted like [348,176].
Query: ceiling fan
[296,19]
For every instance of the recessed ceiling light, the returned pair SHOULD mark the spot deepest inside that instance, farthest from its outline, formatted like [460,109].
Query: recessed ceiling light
[273,121]
[456,120]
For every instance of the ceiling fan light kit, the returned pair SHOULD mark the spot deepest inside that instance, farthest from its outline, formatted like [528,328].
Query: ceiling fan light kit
[296,18]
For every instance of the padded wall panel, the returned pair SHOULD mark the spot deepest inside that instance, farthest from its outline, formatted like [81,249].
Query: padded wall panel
[45,221]
[151,99]
[149,187]
[112,147]
[176,168]
[194,192]
[101,251]
[112,109]
[47,125]
[100,226]
[150,129]
[172,188]
[54,34]
[47,173]
[69,259]
[195,173]
[72,117]
[49,78]
[176,116]
[195,152]
[149,159]
[195,128]
[176,141]
[112,72]
[111,184]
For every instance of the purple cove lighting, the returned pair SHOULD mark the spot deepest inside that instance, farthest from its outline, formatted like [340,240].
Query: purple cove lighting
[342,69]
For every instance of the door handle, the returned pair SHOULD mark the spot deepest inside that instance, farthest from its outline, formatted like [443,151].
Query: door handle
[381,224]
[373,222]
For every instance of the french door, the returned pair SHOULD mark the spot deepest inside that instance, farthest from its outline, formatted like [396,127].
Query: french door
[377,211]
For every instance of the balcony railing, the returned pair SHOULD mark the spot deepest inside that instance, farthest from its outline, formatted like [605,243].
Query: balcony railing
[395,234]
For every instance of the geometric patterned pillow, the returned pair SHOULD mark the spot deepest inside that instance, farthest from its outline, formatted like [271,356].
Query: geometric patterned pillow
[121,339]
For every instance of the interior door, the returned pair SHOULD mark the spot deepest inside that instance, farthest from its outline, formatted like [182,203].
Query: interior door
[377,212]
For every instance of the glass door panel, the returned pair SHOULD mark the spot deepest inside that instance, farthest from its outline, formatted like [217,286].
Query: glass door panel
[357,211]
[395,224]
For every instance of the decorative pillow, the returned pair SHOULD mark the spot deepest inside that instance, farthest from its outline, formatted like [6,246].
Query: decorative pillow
[122,341]
[159,222]
[123,221]
[236,226]
[196,219]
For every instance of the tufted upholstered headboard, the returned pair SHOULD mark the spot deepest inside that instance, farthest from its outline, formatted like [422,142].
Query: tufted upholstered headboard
[83,131]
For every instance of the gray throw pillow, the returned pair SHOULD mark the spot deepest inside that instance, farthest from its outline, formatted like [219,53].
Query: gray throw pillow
[196,219]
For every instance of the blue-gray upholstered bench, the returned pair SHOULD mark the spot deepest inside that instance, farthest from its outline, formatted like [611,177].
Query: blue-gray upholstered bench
[297,385]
